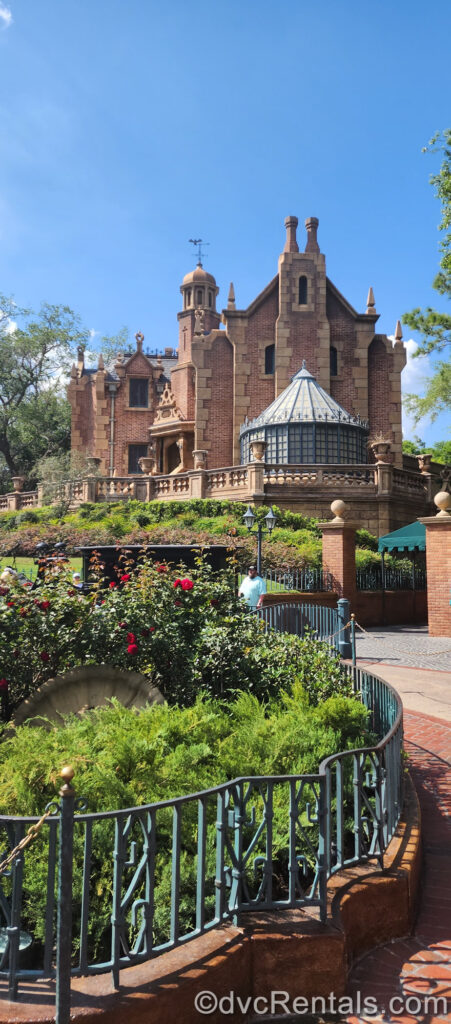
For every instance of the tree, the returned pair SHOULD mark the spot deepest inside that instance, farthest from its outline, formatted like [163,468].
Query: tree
[440,450]
[35,356]
[435,326]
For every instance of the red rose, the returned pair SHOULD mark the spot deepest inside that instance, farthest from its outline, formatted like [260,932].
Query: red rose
[122,625]
[44,656]
[10,604]
[113,584]
[71,593]
[44,605]
[131,638]
[22,612]
[151,629]
[177,583]
[177,604]
[4,686]
[132,649]
[187,584]
[162,568]
[126,577]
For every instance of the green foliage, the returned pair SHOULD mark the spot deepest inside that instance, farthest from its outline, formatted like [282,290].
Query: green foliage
[440,451]
[124,758]
[433,325]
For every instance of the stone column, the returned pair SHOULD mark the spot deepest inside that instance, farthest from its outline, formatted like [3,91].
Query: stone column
[255,479]
[438,566]
[339,552]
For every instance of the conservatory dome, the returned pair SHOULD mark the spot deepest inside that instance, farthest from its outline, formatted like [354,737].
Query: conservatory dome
[305,425]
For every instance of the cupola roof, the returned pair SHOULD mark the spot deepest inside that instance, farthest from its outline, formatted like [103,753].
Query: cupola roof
[198,276]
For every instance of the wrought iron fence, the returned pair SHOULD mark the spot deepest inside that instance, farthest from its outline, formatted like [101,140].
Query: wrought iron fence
[326,624]
[391,579]
[303,580]
[173,870]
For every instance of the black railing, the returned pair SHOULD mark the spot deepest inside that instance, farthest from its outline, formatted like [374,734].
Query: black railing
[391,579]
[303,580]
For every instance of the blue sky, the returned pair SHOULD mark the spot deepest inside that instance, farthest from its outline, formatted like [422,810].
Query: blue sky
[130,126]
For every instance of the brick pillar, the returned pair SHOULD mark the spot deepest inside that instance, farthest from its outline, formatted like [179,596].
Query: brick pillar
[438,567]
[339,552]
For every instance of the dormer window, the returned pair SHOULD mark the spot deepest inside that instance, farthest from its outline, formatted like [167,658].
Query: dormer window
[302,293]
[138,395]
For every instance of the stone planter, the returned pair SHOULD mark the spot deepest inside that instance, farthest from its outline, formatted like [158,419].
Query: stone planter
[147,464]
[18,482]
[200,458]
[258,449]
[424,463]
[381,450]
[93,463]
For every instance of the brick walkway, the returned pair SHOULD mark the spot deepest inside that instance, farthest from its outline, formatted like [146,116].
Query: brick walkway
[420,966]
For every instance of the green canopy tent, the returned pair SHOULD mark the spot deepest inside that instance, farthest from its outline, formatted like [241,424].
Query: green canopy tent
[409,538]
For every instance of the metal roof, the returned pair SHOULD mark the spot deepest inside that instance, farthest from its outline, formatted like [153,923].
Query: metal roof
[304,401]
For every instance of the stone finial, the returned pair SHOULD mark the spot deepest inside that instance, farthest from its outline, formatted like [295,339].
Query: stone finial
[312,227]
[443,502]
[81,357]
[231,299]
[370,302]
[139,341]
[101,364]
[338,507]
[424,462]
[291,244]
[398,333]
[73,371]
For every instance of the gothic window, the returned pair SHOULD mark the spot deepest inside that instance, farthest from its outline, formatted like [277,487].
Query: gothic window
[302,296]
[135,452]
[333,361]
[138,396]
[270,355]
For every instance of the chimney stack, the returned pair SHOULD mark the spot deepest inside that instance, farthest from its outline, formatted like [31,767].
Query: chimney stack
[291,244]
[312,227]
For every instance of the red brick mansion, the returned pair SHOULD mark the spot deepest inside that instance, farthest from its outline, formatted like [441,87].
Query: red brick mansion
[274,402]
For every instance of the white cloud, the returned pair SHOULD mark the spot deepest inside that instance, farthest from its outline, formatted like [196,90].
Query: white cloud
[413,381]
[5,16]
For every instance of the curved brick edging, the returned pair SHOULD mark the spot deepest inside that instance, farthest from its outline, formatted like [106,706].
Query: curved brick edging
[289,950]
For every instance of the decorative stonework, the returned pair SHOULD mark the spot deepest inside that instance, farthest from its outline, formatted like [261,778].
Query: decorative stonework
[381,450]
[90,686]
[443,502]
[258,449]
[167,408]
[200,458]
[424,463]
[338,508]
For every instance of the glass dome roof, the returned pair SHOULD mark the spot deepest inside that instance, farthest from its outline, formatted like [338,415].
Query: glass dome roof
[303,401]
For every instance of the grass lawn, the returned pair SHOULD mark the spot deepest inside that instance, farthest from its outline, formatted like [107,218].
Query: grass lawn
[27,565]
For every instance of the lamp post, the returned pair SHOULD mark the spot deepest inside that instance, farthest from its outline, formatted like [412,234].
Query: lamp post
[249,520]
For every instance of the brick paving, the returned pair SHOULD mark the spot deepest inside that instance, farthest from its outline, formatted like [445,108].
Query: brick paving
[419,967]
[404,645]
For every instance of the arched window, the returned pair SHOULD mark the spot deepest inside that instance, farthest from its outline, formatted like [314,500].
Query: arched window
[302,298]
[188,297]
[200,297]
[333,361]
[270,355]
[210,299]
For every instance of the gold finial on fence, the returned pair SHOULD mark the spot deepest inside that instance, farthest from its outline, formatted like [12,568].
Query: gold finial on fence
[67,773]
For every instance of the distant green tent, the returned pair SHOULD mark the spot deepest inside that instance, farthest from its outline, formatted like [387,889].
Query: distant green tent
[408,538]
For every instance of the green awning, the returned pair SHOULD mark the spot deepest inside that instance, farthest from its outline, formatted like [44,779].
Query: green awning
[408,538]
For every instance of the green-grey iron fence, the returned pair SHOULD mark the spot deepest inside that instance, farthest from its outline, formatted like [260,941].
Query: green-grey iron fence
[175,869]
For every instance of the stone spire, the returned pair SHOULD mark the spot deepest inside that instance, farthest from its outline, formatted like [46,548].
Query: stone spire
[231,299]
[370,302]
[101,364]
[398,333]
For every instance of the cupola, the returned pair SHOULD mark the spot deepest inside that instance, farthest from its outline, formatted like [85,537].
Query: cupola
[199,289]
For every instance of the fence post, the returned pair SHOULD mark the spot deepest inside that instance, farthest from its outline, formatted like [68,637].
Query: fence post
[344,639]
[353,639]
[64,924]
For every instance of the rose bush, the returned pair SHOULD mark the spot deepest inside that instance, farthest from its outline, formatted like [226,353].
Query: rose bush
[186,631]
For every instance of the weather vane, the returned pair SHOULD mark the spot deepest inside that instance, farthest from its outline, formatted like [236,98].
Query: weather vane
[198,243]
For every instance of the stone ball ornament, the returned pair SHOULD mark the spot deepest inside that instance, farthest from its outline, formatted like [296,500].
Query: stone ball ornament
[443,502]
[338,507]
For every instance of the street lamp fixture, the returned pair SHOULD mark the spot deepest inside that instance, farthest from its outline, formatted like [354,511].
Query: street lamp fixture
[249,520]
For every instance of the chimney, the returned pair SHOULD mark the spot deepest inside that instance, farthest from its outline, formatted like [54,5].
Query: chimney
[291,244]
[312,227]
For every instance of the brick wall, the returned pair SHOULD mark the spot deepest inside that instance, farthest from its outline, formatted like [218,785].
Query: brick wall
[438,567]
[339,558]
[343,338]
